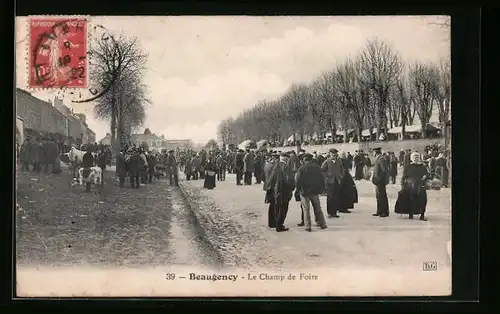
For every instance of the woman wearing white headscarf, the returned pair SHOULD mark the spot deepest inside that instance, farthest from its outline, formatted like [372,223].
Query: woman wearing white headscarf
[412,199]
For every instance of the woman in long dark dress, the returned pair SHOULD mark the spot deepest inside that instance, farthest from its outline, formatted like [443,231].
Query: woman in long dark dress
[210,172]
[393,167]
[348,191]
[442,170]
[412,199]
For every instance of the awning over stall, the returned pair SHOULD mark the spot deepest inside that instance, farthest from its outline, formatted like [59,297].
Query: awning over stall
[366,132]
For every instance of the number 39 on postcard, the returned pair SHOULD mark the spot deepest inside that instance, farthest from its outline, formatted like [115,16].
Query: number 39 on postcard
[57,54]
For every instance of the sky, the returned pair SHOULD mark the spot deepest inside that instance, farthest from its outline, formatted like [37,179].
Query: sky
[201,70]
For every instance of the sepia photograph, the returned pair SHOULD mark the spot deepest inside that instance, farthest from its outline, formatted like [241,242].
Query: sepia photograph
[233,156]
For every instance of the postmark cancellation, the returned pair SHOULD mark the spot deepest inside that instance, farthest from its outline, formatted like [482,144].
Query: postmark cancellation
[57,52]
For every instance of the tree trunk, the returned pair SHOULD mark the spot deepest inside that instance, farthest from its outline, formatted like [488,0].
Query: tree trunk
[360,130]
[423,125]
[345,136]
[113,122]
[403,124]
[334,132]
[120,131]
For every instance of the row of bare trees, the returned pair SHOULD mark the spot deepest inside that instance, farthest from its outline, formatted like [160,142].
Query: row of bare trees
[375,89]
[118,65]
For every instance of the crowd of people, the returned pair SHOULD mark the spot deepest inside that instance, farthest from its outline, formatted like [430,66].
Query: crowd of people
[305,176]
[44,153]
[284,175]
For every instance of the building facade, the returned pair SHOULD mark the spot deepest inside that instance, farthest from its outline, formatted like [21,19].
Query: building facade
[154,141]
[43,117]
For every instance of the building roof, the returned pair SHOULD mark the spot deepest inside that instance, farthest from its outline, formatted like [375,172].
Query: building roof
[145,137]
[26,93]
[90,130]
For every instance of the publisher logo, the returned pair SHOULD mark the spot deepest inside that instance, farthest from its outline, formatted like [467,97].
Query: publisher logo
[429,266]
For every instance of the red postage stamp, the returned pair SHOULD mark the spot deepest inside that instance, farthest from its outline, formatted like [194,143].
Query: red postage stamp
[57,52]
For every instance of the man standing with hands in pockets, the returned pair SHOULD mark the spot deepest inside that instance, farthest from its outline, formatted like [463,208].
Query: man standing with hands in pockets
[310,183]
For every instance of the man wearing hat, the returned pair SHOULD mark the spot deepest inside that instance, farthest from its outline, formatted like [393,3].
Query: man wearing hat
[121,168]
[271,162]
[173,169]
[134,165]
[359,163]
[248,167]
[380,179]
[239,165]
[25,154]
[282,182]
[310,183]
[334,171]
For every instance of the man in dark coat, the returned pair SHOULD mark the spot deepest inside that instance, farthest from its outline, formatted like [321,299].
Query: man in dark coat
[259,167]
[134,167]
[87,160]
[109,155]
[121,168]
[248,167]
[230,162]
[320,159]
[50,152]
[239,166]
[173,168]
[380,179]
[36,154]
[188,167]
[221,167]
[151,158]
[350,160]
[283,183]
[393,160]
[406,159]
[334,171]
[269,199]
[310,183]
[25,155]
[101,163]
[401,158]
[358,165]
[203,163]
[196,167]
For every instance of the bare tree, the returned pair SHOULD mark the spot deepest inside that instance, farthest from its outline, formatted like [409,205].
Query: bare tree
[403,100]
[295,101]
[225,131]
[355,102]
[313,110]
[443,95]
[118,65]
[325,85]
[211,144]
[380,66]
[423,79]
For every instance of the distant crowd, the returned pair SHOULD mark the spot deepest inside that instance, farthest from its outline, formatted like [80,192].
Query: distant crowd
[282,174]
